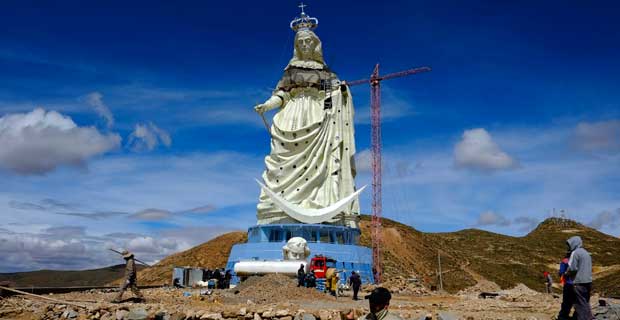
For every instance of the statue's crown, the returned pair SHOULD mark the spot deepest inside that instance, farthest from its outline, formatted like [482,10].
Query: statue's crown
[304,21]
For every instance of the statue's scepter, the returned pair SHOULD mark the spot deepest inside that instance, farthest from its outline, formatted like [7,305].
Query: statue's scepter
[262,116]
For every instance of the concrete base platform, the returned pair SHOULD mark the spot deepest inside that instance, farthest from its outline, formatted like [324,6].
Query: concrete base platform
[265,242]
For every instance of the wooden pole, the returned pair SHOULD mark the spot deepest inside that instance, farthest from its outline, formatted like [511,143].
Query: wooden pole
[440,276]
[44,298]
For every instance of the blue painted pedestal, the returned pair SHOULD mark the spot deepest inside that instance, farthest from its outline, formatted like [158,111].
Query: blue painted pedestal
[265,242]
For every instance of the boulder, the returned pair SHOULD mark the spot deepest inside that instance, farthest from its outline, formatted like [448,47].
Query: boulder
[137,314]
[283,313]
[120,314]
[212,316]
[324,315]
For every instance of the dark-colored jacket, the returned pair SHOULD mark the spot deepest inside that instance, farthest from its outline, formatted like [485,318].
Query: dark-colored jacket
[580,262]
[563,269]
[301,273]
[130,269]
[355,280]
[310,280]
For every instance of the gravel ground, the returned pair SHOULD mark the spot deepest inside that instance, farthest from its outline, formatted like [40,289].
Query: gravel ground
[278,298]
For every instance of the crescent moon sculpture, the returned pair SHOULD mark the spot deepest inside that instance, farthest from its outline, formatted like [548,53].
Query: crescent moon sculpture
[306,215]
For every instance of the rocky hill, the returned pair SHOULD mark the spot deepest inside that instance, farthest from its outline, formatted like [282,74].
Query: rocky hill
[211,254]
[474,256]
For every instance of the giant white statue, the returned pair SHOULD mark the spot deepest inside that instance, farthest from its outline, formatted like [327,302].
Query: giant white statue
[309,175]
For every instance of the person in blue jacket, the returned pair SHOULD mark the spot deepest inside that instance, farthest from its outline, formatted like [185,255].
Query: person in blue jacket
[568,291]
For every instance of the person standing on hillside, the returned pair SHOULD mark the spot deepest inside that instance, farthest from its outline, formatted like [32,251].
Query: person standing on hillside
[568,291]
[580,273]
[131,278]
[548,281]
[356,282]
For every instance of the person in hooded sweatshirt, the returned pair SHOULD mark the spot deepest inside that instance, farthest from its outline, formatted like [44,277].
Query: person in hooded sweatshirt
[580,273]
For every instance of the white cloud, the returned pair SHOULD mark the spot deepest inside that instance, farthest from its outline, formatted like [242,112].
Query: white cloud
[478,151]
[490,218]
[151,214]
[394,106]
[95,100]
[363,161]
[146,137]
[38,142]
[75,247]
[527,223]
[607,219]
[598,136]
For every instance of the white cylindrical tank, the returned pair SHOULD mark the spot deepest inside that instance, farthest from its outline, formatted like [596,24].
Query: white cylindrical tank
[249,268]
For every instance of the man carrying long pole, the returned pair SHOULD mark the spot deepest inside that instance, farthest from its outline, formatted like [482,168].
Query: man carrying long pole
[131,277]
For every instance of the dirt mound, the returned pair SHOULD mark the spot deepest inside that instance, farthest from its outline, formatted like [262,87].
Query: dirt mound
[275,288]
[521,293]
[406,286]
[211,254]
[482,286]
[520,290]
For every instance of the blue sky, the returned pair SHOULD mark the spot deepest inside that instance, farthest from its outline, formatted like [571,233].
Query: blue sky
[131,125]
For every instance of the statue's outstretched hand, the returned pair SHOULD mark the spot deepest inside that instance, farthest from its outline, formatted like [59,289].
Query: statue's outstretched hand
[260,108]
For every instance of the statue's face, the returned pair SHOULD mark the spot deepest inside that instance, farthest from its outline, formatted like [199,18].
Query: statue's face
[306,44]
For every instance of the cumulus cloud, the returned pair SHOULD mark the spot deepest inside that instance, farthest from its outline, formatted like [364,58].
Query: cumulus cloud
[391,165]
[33,251]
[490,218]
[526,223]
[603,136]
[146,137]
[363,161]
[40,141]
[606,219]
[73,248]
[478,151]
[95,100]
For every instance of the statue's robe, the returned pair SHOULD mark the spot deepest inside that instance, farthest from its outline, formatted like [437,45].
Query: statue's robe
[311,163]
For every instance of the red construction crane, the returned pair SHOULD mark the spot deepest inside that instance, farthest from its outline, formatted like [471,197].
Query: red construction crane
[375,108]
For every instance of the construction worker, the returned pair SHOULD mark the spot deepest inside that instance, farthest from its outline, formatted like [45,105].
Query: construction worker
[227,278]
[329,273]
[355,282]
[379,301]
[301,275]
[580,273]
[310,279]
[131,277]
[334,285]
